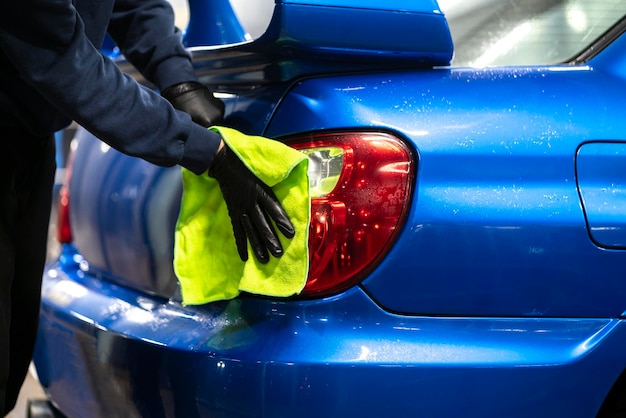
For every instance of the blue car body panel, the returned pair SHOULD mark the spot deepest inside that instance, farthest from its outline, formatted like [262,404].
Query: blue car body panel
[414,32]
[502,295]
[476,241]
[600,168]
[374,29]
[341,356]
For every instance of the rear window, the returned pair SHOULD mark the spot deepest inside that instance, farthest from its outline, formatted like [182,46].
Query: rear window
[526,32]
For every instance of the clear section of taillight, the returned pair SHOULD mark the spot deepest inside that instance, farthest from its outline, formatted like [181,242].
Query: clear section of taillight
[361,184]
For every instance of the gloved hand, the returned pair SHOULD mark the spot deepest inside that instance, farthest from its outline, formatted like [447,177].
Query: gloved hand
[251,204]
[197,100]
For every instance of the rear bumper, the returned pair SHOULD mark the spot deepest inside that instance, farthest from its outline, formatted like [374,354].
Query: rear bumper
[108,351]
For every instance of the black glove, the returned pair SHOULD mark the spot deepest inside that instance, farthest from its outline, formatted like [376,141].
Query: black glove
[251,204]
[197,100]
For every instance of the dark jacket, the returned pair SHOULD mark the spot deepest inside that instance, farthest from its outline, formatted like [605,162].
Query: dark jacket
[52,72]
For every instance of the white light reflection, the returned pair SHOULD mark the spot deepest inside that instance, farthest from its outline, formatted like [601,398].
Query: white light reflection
[504,45]
[154,342]
[576,18]
[559,68]
[400,167]
[65,292]
[180,314]
[593,340]
[387,125]
[83,318]
[222,95]
[365,352]
[139,316]
[353,88]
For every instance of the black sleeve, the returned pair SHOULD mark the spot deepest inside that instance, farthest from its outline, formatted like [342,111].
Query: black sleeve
[145,33]
[47,43]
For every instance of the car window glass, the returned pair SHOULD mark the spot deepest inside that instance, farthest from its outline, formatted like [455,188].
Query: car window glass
[526,32]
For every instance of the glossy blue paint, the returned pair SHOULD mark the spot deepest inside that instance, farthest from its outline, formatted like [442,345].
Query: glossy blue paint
[496,226]
[340,356]
[601,172]
[401,6]
[109,47]
[346,32]
[212,23]
[342,31]
[133,209]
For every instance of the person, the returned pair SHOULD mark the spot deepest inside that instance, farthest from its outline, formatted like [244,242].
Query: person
[52,73]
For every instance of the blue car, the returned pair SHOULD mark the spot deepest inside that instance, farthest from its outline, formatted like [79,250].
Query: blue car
[467,241]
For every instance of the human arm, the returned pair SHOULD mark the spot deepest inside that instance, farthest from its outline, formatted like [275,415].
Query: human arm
[48,44]
[53,53]
[145,32]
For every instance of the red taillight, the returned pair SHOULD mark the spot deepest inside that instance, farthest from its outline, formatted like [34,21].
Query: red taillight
[64,232]
[360,189]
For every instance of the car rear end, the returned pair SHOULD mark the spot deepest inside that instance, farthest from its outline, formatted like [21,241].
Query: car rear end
[453,266]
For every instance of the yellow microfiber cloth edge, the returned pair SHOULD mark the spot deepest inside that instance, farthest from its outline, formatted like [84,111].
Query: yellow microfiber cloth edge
[206,261]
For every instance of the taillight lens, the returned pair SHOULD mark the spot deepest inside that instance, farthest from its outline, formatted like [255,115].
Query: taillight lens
[64,231]
[360,187]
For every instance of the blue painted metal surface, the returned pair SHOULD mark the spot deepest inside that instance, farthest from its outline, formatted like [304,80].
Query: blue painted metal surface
[496,227]
[493,301]
[400,6]
[212,23]
[340,356]
[601,173]
[416,32]
[349,30]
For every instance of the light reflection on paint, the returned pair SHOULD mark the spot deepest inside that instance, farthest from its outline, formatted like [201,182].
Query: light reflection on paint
[503,45]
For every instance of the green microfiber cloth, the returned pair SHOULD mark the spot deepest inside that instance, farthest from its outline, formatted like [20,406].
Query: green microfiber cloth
[206,261]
